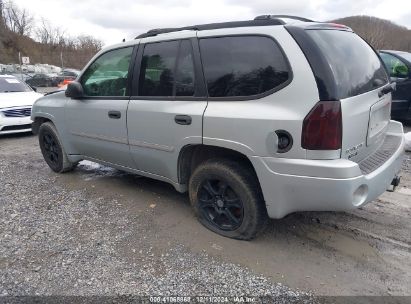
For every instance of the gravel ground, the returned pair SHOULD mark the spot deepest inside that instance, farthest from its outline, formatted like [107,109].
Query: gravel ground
[407,163]
[99,231]
[56,241]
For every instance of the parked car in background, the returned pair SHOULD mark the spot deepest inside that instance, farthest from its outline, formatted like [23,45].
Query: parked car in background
[254,119]
[66,76]
[398,65]
[43,80]
[22,76]
[69,73]
[16,101]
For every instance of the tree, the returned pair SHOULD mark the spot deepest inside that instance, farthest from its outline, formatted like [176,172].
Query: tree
[380,33]
[1,12]
[19,21]
[89,43]
[48,34]
[51,43]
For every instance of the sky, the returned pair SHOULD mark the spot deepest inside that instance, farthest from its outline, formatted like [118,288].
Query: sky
[113,20]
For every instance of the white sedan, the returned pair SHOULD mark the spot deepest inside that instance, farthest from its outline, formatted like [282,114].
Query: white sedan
[16,101]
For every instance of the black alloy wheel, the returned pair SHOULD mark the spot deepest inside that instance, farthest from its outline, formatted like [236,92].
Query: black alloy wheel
[220,205]
[51,149]
[227,198]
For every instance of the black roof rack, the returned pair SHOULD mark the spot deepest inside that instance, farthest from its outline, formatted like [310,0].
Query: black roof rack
[269,17]
[213,26]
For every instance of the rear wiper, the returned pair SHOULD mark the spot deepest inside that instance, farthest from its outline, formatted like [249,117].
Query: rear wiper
[387,89]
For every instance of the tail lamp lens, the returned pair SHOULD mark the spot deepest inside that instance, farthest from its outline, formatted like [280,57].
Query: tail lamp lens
[322,127]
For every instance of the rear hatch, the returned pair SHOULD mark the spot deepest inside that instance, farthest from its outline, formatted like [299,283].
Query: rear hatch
[349,70]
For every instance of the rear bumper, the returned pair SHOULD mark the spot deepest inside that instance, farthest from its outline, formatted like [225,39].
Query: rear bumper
[324,185]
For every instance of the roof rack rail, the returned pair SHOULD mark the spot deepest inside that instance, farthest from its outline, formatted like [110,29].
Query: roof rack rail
[269,17]
[213,26]
[155,32]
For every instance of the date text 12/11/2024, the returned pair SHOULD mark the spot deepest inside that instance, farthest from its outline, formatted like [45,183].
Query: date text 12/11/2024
[203,299]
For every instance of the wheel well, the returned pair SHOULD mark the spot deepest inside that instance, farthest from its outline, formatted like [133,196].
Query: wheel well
[38,121]
[193,155]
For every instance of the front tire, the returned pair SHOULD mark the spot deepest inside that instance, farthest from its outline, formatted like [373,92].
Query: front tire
[52,149]
[227,199]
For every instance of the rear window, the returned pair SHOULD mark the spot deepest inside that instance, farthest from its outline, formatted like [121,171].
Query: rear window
[243,65]
[354,64]
[8,85]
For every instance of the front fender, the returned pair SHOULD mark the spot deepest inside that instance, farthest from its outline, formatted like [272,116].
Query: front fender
[38,119]
[52,108]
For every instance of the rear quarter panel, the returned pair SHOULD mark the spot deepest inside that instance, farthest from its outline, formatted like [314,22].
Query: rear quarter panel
[249,126]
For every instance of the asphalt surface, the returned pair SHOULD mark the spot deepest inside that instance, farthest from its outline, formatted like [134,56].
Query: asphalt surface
[100,231]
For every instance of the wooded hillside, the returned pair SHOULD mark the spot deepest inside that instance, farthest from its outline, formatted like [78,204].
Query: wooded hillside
[51,44]
[44,43]
[380,33]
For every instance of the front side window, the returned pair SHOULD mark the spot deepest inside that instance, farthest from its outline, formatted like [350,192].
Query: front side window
[395,66]
[167,69]
[243,65]
[107,76]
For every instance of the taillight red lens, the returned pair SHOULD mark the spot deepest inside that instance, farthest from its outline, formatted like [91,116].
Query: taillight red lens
[322,127]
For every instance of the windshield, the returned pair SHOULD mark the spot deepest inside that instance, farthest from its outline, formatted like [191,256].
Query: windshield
[355,65]
[11,84]
[406,56]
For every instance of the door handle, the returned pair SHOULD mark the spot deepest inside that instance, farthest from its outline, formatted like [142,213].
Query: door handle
[114,114]
[183,119]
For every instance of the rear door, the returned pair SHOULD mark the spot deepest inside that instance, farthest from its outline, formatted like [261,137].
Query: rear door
[349,70]
[166,110]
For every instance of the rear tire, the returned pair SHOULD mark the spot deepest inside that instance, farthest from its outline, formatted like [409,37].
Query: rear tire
[227,199]
[52,149]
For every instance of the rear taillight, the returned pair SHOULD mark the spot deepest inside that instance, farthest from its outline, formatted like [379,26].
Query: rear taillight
[322,127]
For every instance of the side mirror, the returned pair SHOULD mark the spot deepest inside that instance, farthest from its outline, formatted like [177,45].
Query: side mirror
[74,90]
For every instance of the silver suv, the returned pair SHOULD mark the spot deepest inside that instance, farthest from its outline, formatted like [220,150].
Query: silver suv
[255,119]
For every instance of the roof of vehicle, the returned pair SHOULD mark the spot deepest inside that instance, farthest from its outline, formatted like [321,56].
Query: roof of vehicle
[71,70]
[404,55]
[263,20]
[394,52]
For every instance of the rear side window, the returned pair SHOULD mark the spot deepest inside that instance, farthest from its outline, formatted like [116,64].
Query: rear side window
[242,66]
[157,69]
[167,69]
[354,64]
[185,71]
